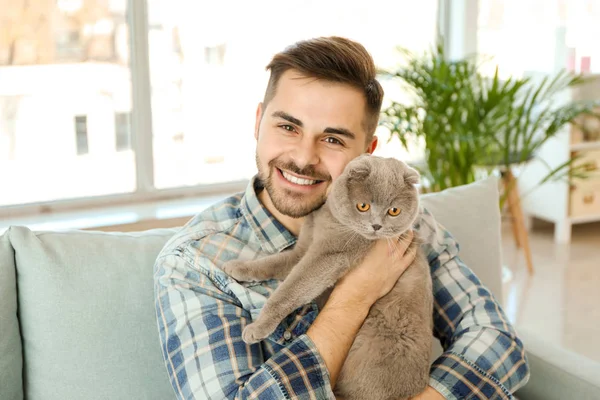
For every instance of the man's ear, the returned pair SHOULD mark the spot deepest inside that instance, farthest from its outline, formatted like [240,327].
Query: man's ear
[373,145]
[259,113]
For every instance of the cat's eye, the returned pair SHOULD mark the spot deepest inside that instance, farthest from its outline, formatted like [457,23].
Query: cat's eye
[363,207]
[394,212]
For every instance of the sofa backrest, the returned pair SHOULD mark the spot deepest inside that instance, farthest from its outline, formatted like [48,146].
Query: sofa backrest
[86,307]
[86,312]
[472,214]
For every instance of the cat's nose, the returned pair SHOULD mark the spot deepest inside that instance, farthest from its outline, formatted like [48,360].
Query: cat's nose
[376,227]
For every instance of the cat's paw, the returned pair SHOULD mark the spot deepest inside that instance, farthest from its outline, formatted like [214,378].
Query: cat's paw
[255,333]
[237,270]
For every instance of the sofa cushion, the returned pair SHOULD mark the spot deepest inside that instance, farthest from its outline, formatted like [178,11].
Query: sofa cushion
[11,356]
[472,215]
[86,309]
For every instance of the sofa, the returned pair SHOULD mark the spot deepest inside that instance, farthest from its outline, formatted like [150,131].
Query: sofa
[78,320]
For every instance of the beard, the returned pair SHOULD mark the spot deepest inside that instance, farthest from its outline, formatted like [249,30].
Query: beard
[288,202]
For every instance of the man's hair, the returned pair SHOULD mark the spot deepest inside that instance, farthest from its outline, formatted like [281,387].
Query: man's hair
[334,59]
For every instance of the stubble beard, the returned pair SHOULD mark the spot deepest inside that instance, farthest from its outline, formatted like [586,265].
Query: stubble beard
[287,202]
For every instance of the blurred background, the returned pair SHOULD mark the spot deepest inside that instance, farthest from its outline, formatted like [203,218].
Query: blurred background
[69,115]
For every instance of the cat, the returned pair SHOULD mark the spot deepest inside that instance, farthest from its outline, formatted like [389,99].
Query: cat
[373,198]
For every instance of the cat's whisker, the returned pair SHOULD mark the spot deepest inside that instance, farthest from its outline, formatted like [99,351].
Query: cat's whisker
[416,240]
[398,249]
[347,230]
[402,245]
[404,242]
[393,247]
[389,244]
[352,236]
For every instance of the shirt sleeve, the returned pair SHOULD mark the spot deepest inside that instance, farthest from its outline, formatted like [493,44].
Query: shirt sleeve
[483,358]
[200,326]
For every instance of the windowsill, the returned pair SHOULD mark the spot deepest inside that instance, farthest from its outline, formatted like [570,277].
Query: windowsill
[126,217]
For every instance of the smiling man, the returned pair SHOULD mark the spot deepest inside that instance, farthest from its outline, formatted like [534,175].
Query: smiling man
[320,111]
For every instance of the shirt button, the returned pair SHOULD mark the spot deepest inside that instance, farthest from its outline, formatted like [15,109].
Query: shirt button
[287,335]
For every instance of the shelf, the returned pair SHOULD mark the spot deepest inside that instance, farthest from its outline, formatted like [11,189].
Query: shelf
[586,146]
[584,219]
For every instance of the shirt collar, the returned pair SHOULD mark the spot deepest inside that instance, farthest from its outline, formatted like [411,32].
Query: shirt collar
[274,237]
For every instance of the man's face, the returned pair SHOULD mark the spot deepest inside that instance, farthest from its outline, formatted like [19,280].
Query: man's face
[308,132]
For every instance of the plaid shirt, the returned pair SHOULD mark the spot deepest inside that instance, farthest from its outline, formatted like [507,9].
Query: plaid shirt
[201,313]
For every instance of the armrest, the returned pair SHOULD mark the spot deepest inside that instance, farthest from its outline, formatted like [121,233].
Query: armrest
[557,373]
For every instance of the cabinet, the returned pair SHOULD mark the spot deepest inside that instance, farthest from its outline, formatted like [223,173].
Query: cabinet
[571,201]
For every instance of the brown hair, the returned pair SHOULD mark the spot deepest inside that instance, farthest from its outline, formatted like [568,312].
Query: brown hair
[333,59]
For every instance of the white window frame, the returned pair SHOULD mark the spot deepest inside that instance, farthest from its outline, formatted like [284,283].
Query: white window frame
[457,22]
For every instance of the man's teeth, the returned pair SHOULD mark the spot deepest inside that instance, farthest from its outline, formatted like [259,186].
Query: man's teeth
[297,181]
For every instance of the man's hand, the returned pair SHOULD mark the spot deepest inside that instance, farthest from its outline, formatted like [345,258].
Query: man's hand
[336,326]
[380,270]
[429,394]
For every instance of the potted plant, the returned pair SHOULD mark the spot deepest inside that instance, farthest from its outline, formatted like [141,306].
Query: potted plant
[470,122]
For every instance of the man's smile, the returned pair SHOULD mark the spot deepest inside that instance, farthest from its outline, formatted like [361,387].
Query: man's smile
[298,181]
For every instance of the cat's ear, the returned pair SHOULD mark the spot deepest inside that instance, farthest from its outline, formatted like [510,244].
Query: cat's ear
[359,168]
[359,171]
[411,176]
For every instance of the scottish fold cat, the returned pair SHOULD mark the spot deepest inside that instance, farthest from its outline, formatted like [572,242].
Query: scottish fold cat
[374,198]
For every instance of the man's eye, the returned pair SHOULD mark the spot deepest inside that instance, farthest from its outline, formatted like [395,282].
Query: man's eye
[332,140]
[288,128]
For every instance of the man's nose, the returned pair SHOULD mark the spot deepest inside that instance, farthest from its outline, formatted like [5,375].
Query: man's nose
[305,154]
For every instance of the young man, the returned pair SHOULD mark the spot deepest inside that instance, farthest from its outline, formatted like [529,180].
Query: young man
[320,111]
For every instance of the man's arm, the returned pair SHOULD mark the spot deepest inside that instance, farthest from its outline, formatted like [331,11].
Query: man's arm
[483,356]
[200,324]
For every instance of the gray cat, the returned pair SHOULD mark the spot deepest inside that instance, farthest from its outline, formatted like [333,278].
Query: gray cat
[373,198]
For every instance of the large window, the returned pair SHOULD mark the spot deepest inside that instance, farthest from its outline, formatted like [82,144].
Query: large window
[64,75]
[72,124]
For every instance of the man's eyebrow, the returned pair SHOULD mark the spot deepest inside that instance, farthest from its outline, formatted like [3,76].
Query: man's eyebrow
[338,131]
[341,131]
[287,117]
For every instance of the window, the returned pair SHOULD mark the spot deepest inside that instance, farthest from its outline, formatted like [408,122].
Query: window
[122,132]
[64,72]
[81,135]
[69,102]
[208,76]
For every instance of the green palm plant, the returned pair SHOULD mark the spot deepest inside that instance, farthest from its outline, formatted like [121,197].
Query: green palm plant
[470,121]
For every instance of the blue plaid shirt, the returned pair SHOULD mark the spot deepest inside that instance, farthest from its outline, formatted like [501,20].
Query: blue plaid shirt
[201,313]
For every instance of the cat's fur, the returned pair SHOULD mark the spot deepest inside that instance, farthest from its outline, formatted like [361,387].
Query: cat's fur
[390,357]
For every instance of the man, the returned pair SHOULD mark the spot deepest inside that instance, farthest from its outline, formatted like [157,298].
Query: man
[320,111]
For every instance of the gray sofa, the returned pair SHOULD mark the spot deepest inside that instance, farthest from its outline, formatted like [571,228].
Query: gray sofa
[77,316]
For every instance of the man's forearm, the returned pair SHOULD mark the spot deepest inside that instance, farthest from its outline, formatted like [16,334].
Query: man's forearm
[335,328]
